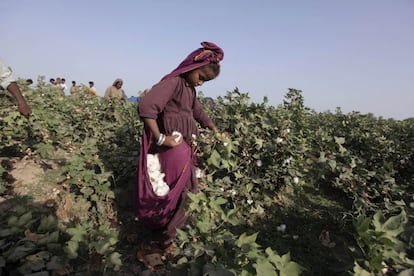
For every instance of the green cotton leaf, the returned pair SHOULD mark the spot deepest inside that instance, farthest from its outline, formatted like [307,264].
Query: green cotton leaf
[215,207]
[54,237]
[72,249]
[286,258]
[24,219]
[47,223]
[359,271]
[220,201]
[5,233]
[332,164]
[115,259]
[246,239]
[224,164]
[377,221]
[249,187]
[340,140]
[386,241]
[238,175]
[362,224]
[253,254]
[214,159]
[77,233]
[45,150]
[204,226]
[259,143]
[102,246]
[183,236]
[231,217]
[264,268]
[19,252]
[395,224]
[56,263]
[182,260]
[215,270]
[322,158]
[245,273]
[291,269]
[36,261]
[273,257]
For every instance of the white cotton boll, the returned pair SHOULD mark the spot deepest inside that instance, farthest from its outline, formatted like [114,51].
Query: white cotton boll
[281,228]
[161,189]
[225,144]
[259,163]
[176,133]
[154,174]
[159,186]
[287,161]
[153,163]
[296,180]
[250,201]
[279,140]
[198,173]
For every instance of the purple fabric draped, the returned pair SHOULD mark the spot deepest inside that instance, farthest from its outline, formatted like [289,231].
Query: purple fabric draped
[155,212]
[209,53]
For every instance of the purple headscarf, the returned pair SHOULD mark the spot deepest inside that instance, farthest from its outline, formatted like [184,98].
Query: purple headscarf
[209,53]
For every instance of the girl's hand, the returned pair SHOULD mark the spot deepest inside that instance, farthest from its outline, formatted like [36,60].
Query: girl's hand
[173,140]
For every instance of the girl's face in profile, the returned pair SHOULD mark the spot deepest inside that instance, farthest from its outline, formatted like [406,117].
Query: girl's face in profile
[198,76]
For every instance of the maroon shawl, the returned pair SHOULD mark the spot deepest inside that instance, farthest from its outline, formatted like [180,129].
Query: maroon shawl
[209,53]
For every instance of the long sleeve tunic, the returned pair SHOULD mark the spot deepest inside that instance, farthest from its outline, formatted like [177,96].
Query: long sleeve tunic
[174,104]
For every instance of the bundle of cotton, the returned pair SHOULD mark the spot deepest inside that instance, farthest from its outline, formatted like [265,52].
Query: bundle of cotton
[159,186]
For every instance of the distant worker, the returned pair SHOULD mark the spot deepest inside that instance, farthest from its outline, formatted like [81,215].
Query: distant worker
[29,82]
[8,83]
[116,91]
[52,81]
[92,88]
[73,89]
[64,86]
[210,102]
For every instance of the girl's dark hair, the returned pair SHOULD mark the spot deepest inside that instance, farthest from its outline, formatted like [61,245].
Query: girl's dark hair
[214,67]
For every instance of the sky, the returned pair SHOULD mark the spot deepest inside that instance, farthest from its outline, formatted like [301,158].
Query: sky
[354,54]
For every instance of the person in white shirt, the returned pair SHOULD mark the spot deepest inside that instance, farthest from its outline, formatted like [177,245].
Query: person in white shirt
[63,86]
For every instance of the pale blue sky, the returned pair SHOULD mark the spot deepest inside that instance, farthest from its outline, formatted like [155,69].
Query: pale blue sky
[353,54]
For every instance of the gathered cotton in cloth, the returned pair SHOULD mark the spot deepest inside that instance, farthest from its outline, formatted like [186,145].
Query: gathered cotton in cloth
[153,210]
